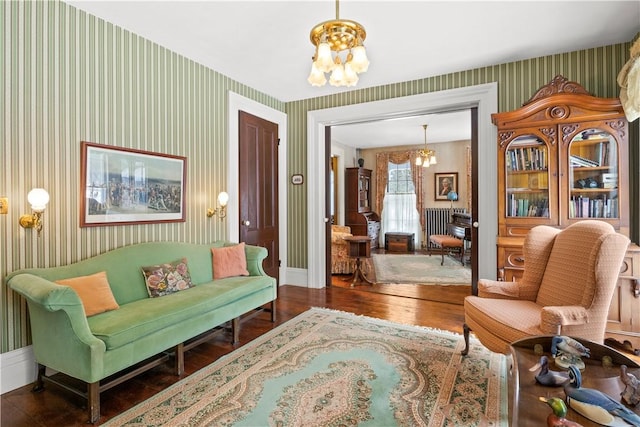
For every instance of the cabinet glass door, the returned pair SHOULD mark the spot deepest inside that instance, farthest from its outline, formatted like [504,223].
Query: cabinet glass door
[527,178]
[593,175]
[363,193]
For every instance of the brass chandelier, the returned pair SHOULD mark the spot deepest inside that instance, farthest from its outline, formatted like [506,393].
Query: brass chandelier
[338,35]
[425,156]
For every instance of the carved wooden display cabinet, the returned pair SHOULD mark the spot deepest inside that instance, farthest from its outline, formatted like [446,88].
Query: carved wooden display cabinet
[562,158]
[358,214]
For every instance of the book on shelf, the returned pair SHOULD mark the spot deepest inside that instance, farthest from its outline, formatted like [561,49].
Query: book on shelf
[526,159]
[582,161]
[527,207]
[585,207]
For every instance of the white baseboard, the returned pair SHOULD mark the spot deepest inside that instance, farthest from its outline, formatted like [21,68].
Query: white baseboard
[17,369]
[296,277]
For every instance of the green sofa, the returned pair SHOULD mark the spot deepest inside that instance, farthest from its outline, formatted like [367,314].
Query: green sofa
[143,332]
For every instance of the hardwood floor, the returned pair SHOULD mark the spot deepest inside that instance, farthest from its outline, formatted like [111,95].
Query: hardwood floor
[57,407]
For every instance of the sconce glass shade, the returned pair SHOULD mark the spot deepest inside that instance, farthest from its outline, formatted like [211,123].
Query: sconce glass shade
[223,198]
[433,160]
[38,198]
[452,195]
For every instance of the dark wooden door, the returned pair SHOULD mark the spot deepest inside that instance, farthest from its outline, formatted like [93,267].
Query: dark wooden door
[327,203]
[259,187]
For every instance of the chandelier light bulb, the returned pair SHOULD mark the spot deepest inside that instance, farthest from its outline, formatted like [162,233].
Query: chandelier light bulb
[360,62]
[350,76]
[425,163]
[324,60]
[316,77]
[433,160]
[419,161]
[337,75]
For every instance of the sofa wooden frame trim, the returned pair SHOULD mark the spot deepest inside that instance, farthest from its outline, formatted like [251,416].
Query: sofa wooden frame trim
[93,390]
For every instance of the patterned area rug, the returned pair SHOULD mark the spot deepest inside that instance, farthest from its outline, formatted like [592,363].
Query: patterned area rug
[421,269]
[330,368]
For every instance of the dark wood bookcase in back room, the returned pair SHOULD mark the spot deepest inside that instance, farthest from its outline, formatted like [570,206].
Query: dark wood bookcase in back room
[358,213]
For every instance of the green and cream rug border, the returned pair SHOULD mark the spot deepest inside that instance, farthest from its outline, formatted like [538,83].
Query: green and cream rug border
[436,385]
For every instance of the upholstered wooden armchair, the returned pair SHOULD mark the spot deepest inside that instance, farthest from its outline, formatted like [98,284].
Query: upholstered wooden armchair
[340,261]
[569,279]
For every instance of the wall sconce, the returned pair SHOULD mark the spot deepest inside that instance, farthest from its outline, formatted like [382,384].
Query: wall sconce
[38,198]
[223,199]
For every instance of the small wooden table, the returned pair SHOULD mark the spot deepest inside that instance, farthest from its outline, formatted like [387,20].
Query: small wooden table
[524,407]
[359,247]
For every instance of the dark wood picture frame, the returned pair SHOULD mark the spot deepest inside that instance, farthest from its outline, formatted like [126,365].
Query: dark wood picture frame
[126,186]
[444,183]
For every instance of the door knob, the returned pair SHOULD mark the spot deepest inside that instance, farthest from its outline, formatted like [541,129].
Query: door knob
[475,224]
[247,223]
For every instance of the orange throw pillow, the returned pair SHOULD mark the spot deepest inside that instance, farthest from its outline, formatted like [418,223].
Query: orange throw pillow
[94,292]
[229,261]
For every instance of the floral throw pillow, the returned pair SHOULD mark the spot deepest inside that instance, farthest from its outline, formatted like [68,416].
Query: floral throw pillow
[165,279]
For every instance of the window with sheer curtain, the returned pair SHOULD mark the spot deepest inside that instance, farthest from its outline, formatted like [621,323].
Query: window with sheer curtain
[399,211]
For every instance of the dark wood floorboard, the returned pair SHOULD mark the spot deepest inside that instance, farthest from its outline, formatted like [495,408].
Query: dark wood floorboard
[56,407]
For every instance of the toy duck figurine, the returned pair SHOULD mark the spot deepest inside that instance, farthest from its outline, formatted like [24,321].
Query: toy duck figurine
[596,405]
[566,352]
[548,377]
[631,392]
[557,417]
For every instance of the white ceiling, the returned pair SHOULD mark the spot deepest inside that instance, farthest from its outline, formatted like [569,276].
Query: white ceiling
[265,44]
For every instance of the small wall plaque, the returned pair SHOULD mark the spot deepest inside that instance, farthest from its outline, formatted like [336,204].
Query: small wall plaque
[297,179]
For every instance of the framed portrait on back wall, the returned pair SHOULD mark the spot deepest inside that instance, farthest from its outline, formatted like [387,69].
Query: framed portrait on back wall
[444,183]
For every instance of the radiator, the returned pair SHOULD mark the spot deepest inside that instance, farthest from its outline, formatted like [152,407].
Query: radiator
[436,220]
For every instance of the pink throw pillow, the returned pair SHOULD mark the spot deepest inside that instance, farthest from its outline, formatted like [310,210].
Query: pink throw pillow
[229,261]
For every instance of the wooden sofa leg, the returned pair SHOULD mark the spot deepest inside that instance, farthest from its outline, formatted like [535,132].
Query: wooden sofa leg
[466,329]
[273,311]
[180,359]
[93,401]
[235,330]
[39,384]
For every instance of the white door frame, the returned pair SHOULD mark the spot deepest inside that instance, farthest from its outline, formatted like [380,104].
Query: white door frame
[484,97]
[237,103]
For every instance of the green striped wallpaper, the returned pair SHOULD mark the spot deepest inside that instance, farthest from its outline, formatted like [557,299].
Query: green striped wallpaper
[596,69]
[68,76]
